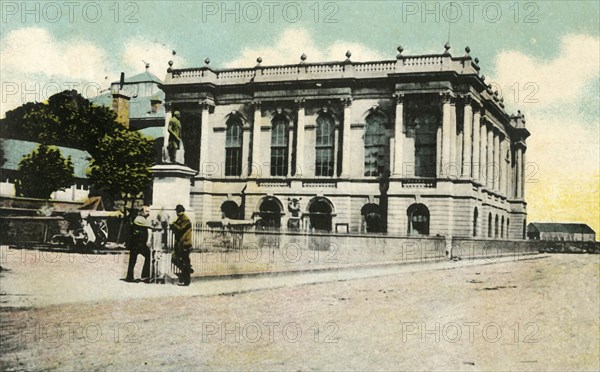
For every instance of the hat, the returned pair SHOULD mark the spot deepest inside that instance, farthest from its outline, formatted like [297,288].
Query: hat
[179,208]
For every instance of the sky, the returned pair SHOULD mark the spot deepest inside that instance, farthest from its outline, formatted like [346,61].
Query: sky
[544,56]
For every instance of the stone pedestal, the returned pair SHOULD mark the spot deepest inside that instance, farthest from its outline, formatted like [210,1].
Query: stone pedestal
[171,186]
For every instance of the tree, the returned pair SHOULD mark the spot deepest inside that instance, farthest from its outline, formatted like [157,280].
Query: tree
[121,159]
[44,171]
[121,166]
[2,153]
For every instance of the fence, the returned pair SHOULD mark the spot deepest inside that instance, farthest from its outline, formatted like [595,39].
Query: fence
[241,250]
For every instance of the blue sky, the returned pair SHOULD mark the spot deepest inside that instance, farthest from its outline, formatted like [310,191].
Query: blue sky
[548,51]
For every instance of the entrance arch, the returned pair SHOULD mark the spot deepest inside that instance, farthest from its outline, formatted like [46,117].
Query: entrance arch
[270,211]
[372,214]
[418,219]
[320,214]
[230,210]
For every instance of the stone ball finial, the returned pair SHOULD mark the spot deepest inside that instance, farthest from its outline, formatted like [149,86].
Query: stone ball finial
[303,57]
[206,60]
[476,60]
[400,49]
[259,60]
[348,54]
[482,77]
[467,49]
[171,63]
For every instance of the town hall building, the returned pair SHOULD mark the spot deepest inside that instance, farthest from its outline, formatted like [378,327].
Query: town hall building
[415,146]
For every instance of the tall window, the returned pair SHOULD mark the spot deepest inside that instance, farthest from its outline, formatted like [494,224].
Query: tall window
[475,217]
[324,146]
[279,146]
[425,145]
[375,149]
[233,147]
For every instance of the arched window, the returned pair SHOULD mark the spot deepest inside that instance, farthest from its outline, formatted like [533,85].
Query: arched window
[324,146]
[496,226]
[489,225]
[475,217]
[375,145]
[502,227]
[233,147]
[230,209]
[279,146]
[319,212]
[372,215]
[270,212]
[507,228]
[418,219]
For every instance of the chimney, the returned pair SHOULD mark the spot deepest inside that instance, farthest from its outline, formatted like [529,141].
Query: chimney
[120,103]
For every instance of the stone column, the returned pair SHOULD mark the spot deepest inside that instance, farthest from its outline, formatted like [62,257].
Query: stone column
[290,149]
[256,161]
[346,149]
[523,157]
[446,134]
[336,144]
[503,167]
[476,145]
[489,166]
[455,167]
[398,136]
[483,153]
[300,139]
[467,166]
[204,136]
[517,179]
[438,152]
[497,157]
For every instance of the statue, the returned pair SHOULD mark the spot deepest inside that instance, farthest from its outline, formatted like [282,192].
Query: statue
[294,222]
[174,140]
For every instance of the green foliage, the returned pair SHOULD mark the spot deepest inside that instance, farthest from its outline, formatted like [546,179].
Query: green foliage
[65,119]
[44,171]
[122,163]
[121,159]
[2,153]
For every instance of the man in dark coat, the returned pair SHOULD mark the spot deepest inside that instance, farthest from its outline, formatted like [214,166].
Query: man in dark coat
[139,243]
[182,228]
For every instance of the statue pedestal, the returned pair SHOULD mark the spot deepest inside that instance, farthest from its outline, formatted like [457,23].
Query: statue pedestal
[171,186]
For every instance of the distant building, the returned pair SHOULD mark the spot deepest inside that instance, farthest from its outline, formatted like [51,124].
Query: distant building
[560,231]
[15,150]
[138,103]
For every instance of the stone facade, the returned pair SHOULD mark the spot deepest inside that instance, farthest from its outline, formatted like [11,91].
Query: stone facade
[419,145]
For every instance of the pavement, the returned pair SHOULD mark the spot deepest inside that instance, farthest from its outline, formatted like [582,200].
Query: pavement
[42,278]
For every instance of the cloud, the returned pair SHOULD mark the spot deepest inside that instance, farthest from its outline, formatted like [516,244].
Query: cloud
[564,148]
[36,65]
[292,42]
[560,81]
[34,51]
[138,50]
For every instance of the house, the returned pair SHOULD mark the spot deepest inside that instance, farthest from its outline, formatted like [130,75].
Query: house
[560,231]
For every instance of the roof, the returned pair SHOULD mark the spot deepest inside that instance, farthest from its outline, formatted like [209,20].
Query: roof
[144,77]
[571,228]
[15,150]
[139,106]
